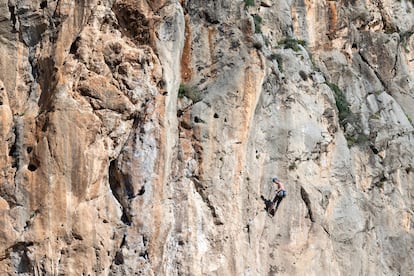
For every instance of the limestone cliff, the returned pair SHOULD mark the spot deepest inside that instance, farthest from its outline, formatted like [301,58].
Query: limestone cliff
[140,137]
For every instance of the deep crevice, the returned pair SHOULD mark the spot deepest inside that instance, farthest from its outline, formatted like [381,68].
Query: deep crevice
[25,265]
[45,124]
[120,188]
[77,236]
[123,242]
[15,148]
[14,155]
[74,46]
[119,258]
[374,149]
[15,152]
[144,255]
[305,198]
[13,17]
[126,218]
[201,191]
[326,231]
[141,191]
[18,252]
[44,71]
[375,72]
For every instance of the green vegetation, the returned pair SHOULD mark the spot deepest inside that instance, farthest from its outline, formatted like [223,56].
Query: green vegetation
[349,121]
[279,60]
[292,44]
[357,139]
[188,92]
[375,116]
[257,23]
[409,118]
[266,41]
[182,90]
[248,3]
[341,103]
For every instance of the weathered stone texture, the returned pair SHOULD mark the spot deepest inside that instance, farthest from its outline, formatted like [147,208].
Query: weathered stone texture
[140,137]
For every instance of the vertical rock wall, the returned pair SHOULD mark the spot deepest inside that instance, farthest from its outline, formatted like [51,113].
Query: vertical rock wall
[140,137]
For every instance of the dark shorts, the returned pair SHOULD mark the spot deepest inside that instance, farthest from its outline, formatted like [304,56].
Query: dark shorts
[279,196]
[282,193]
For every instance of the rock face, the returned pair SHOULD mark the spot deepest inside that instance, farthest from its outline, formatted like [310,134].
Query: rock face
[140,137]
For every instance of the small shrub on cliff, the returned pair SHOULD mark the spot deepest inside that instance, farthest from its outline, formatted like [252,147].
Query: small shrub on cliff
[292,44]
[375,116]
[182,90]
[188,92]
[341,103]
[249,3]
[279,60]
[356,139]
[350,122]
[257,23]
[409,118]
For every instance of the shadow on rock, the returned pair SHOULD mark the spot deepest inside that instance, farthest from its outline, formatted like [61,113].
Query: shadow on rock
[268,203]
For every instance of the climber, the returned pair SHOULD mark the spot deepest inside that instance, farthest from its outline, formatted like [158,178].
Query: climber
[280,193]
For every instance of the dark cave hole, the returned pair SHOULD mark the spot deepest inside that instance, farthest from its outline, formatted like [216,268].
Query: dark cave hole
[74,46]
[141,191]
[120,187]
[32,167]
[125,218]
[374,149]
[43,5]
[13,16]
[119,258]
[12,150]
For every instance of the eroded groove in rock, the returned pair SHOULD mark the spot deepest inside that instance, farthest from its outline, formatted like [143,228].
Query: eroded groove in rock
[202,193]
[306,200]
[121,190]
